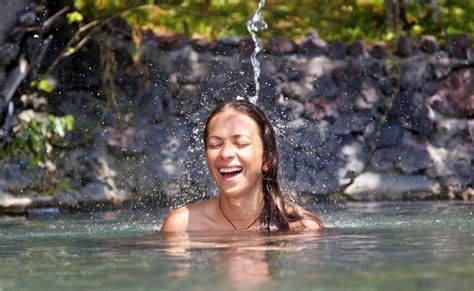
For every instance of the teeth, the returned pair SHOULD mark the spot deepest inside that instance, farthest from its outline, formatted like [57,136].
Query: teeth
[229,169]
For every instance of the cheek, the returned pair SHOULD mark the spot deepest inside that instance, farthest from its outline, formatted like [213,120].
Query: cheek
[209,158]
[255,158]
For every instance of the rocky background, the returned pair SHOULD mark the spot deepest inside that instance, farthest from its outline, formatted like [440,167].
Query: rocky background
[355,122]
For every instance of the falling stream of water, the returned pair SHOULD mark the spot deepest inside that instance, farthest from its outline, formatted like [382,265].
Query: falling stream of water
[254,25]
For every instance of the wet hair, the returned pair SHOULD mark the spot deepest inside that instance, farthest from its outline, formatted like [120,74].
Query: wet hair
[274,215]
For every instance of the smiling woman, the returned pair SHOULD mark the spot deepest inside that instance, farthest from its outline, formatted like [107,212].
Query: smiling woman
[242,158]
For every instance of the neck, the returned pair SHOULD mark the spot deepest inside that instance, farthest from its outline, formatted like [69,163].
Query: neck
[242,208]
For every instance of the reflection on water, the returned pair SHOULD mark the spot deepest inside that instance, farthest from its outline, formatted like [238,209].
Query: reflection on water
[241,259]
[366,246]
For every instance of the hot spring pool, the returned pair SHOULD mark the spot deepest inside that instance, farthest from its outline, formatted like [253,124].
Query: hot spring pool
[369,246]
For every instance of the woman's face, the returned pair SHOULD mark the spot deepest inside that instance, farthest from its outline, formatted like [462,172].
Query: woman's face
[234,152]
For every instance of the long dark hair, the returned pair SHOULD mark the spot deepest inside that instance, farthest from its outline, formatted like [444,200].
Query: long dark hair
[274,215]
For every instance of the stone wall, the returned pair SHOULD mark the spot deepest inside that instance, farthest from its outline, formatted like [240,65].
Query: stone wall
[10,11]
[353,121]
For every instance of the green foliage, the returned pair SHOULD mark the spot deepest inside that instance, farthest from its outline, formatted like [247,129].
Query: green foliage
[62,186]
[43,85]
[35,136]
[74,17]
[457,17]
[345,20]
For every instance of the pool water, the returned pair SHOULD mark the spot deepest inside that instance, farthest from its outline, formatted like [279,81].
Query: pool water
[366,246]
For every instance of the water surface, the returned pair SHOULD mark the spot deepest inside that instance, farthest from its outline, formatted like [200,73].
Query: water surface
[370,246]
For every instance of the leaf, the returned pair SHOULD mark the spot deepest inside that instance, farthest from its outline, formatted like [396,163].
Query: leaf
[74,17]
[58,127]
[389,36]
[45,85]
[80,4]
[417,28]
[69,122]
[34,143]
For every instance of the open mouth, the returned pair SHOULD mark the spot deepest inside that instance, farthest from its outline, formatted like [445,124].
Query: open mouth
[230,172]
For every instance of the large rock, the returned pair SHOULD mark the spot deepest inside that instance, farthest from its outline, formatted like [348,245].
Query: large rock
[454,97]
[452,154]
[355,156]
[201,44]
[8,52]
[227,46]
[389,134]
[379,52]
[3,77]
[353,122]
[9,11]
[326,87]
[406,46]
[440,67]
[314,182]
[125,142]
[414,72]
[357,48]
[411,109]
[312,45]
[429,44]
[375,186]
[459,46]
[409,156]
[293,70]
[280,46]
[246,47]
[337,50]
[15,178]
[321,65]
[296,90]
[12,204]
[170,41]
[95,195]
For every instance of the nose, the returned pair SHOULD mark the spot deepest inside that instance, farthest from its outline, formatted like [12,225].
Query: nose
[227,152]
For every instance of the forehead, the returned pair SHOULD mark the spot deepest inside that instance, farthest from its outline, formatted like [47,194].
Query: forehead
[230,122]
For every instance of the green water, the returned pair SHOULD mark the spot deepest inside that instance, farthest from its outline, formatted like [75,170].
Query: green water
[376,246]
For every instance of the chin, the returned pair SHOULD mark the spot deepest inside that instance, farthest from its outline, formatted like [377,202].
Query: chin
[231,192]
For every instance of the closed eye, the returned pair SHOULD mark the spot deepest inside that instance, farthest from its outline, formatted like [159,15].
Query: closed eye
[213,146]
[242,144]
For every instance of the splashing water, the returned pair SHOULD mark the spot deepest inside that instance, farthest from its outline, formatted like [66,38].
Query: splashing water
[254,25]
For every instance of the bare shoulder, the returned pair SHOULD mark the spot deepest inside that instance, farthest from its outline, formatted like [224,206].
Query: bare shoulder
[179,220]
[307,219]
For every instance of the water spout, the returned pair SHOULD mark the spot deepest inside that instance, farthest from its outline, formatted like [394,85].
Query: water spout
[254,25]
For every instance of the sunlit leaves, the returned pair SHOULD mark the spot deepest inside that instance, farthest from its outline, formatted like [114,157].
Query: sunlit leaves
[36,134]
[43,85]
[337,19]
[74,17]
[80,4]
[389,36]
[458,11]
[417,29]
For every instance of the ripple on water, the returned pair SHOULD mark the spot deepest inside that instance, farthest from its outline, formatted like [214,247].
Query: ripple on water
[375,246]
